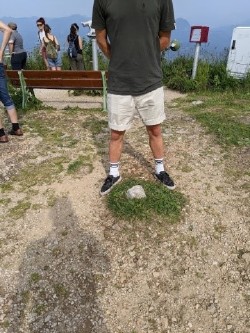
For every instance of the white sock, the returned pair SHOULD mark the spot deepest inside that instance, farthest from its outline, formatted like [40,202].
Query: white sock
[114,169]
[159,166]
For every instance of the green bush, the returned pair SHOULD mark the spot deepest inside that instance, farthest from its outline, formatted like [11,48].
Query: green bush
[213,76]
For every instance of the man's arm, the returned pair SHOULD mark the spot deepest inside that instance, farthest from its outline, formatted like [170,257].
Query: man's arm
[11,45]
[102,41]
[6,35]
[164,37]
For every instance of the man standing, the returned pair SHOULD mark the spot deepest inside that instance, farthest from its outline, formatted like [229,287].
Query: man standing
[132,34]
[18,53]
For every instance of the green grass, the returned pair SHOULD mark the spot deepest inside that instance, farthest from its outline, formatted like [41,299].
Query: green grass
[227,131]
[80,162]
[95,125]
[159,202]
[226,115]
[20,209]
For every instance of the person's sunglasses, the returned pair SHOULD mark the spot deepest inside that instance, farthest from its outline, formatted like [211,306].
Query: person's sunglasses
[39,24]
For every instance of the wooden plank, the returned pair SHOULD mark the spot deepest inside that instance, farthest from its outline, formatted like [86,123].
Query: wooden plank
[64,83]
[58,79]
[62,74]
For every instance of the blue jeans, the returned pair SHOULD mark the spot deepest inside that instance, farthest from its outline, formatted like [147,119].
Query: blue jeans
[4,94]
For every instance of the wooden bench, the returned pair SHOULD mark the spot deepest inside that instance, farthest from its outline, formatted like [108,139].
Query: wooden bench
[27,80]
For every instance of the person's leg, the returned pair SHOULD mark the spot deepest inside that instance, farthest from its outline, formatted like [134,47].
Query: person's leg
[115,151]
[79,62]
[8,103]
[115,145]
[45,60]
[156,141]
[16,130]
[3,136]
[120,112]
[16,61]
[151,108]
[73,65]
[24,60]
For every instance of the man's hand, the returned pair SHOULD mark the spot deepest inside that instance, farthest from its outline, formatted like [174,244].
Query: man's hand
[102,41]
[164,37]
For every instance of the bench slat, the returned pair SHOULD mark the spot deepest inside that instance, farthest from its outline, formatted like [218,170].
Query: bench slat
[64,74]
[64,83]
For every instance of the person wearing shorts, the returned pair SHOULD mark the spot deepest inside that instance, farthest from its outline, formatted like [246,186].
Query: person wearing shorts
[56,63]
[132,35]
[4,94]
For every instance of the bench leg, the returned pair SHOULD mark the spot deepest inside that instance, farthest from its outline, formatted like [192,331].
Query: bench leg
[104,84]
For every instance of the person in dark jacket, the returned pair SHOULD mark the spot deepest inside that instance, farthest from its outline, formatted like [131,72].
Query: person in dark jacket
[76,63]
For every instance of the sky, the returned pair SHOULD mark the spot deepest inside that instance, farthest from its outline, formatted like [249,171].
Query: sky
[213,13]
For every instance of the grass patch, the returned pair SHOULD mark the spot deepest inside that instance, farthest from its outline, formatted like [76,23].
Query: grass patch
[60,290]
[48,130]
[20,209]
[227,131]
[35,277]
[226,115]
[5,202]
[80,162]
[159,201]
[6,187]
[44,173]
[95,125]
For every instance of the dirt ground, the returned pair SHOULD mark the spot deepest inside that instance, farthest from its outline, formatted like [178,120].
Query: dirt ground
[68,266]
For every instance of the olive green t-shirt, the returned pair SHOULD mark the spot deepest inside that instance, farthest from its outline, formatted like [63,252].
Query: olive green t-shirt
[133,31]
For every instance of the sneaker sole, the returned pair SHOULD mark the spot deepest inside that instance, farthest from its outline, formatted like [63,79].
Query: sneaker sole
[169,187]
[106,192]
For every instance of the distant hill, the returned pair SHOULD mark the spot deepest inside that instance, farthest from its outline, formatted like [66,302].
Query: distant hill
[219,38]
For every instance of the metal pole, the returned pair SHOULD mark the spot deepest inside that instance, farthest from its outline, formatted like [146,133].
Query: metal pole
[94,54]
[196,59]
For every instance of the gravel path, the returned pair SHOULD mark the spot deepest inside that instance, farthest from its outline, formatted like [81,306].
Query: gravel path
[68,266]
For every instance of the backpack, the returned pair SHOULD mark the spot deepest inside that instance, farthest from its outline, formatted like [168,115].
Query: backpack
[51,50]
[72,51]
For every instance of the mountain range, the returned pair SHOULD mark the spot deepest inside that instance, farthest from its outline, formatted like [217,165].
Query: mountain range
[218,40]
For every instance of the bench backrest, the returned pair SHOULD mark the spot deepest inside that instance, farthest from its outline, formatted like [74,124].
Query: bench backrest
[65,79]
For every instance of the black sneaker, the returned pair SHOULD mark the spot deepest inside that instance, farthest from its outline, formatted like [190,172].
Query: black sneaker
[165,179]
[109,182]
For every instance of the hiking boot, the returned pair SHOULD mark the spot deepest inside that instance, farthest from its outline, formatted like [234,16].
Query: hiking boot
[109,182]
[4,139]
[165,179]
[18,132]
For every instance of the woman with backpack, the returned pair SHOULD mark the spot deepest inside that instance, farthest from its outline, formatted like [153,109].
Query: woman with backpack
[75,48]
[52,47]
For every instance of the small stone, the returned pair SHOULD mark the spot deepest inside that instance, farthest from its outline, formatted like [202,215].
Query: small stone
[136,192]
[47,319]
[246,257]
[197,102]
[156,274]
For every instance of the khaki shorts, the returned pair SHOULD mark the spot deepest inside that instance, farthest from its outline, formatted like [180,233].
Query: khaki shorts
[121,109]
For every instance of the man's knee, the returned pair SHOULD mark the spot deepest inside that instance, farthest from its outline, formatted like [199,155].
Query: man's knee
[116,135]
[154,130]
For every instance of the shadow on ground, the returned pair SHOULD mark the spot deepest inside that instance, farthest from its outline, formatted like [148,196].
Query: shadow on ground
[60,279]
